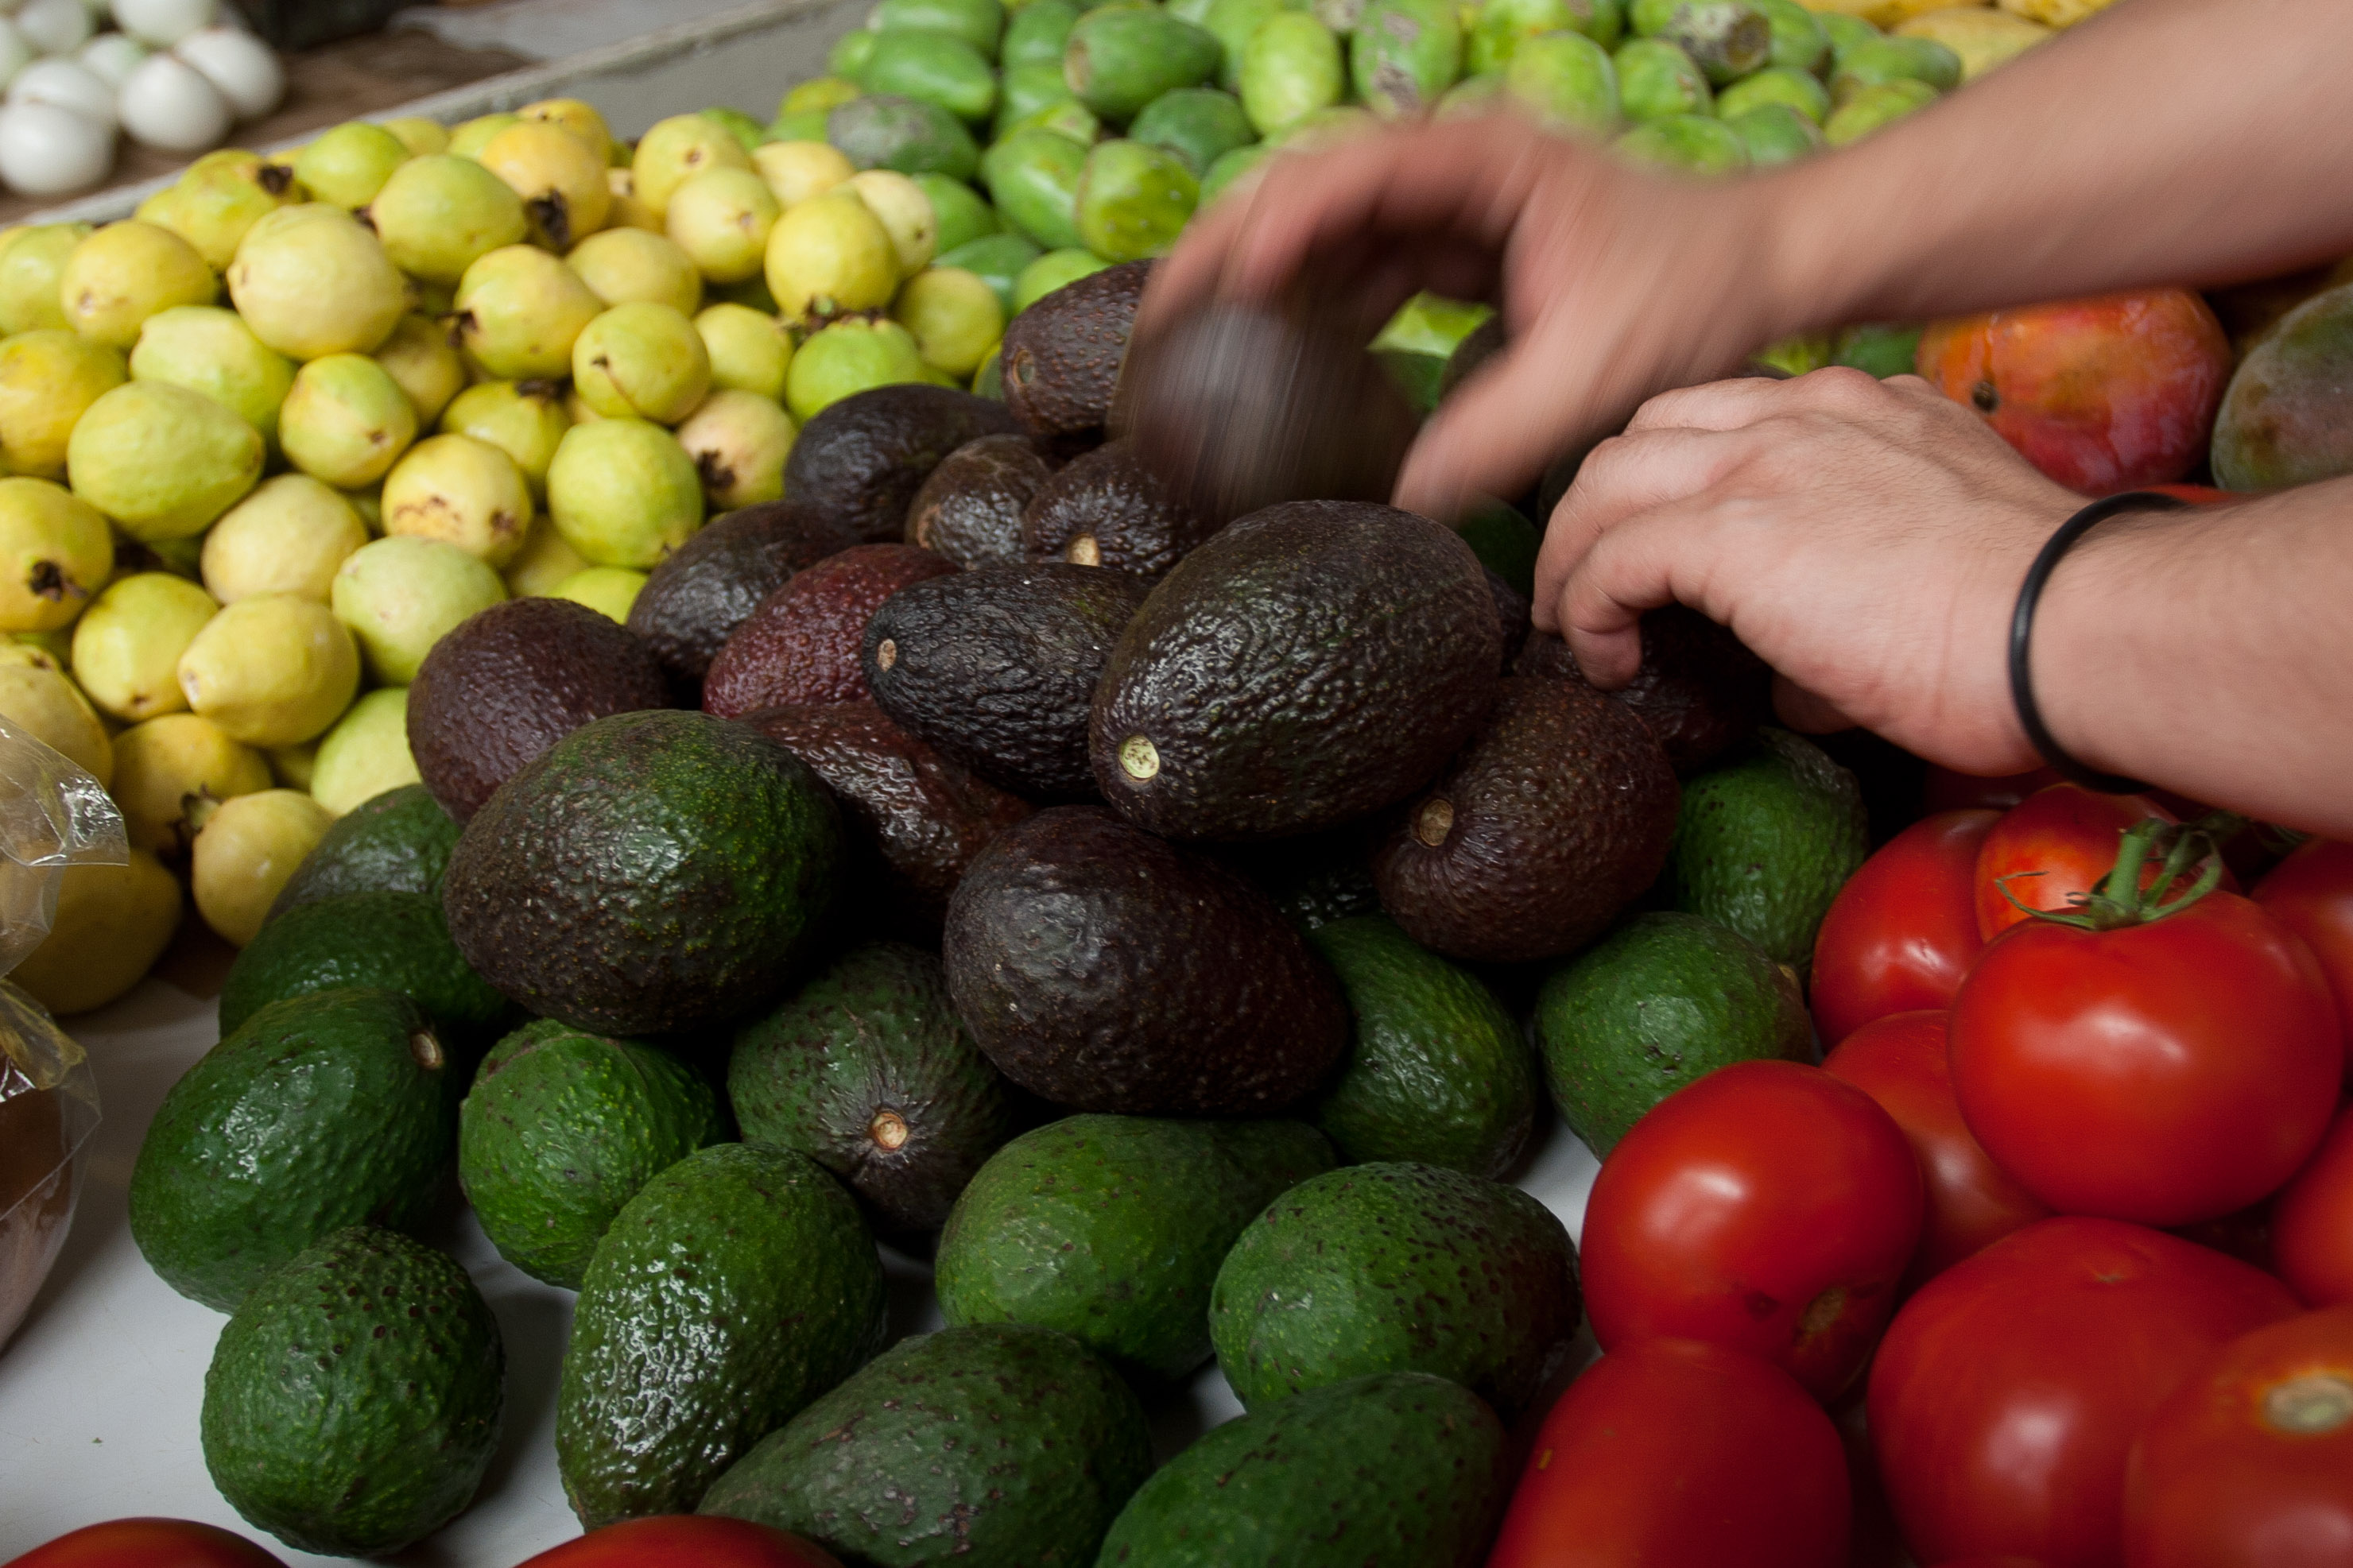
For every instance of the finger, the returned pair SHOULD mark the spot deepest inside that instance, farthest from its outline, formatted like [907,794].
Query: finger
[1747,400]
[1622,478]
[1658,558]
[1808,712]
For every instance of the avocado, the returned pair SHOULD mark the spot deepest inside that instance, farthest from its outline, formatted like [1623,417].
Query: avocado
[387,941]
[562,1128]
[1553,818]
[705,588]
[322,1111]
[510,681]
[1663,1000]
[1396,1266]
[1437,1069]
[1316,877]
[1103,969]
[353,1399]
[1765,842]
[799,645]
[969,509]
[1106,509]
[1110,1228]
[1062,356]
[1118,60]
[867,1070]
[1505,542]
[1199,124]
[998,665]
[1699,689]
[651,873]
[1401,1470]
[1511,614]
[863,458]
[914,818]
[991,1444]
[397,842]
[880,131]
[1310,664]
[737,1286]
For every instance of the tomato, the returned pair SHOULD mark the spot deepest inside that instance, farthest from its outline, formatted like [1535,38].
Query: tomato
[1945,790]
[1903,929]
[685,1541]
[1670,1451]
[2164,1073]
[2197,495]
[2312,1222]
[1973,1203]
[2250,1463]
[2007,1392]
[2311,893]
[1767,1207]
[148,1543]
[2056,843]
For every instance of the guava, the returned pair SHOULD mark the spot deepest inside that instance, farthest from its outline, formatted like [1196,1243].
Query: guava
[349,163]
[630,265]
[127,647]
[49,379]
[126,272]
[311,282]
[400,595]
[641,361]
[721,219]
[160,460]
[848,356]
[739,441]
[49,707]
[580,119]
[438,215]
[608,589]
[460,490]
[831,255]
[749,352]
[524,419]
[906,214]
[207,349]
[56,553]
[519,311]
[366,753]
[272,670]
[544,563]
[287,536]
[560,178]
[32,260]
[346,421]
[221,197]
[171,774]
[623,494]
[468,137]
[796,171]
[247,852]
[676,149]
[953,315]
[419,357]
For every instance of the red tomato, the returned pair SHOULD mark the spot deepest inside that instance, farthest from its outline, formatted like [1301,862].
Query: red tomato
[1900,1062]
[1903,929]
[2312,1222]
[685,1541]
[2311,893]
[2007,1392]
[148,1543]
[2195,494]
[2057,842]
[1674,1452]
[1768,1207]
[2250,1463]
[2164,1073]
[1945,790]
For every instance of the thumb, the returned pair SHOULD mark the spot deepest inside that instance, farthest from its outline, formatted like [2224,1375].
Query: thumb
[1497,432]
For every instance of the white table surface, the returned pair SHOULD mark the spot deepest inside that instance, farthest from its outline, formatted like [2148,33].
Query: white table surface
[100,1388]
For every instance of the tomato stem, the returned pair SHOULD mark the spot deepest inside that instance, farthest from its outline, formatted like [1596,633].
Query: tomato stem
[2119,900]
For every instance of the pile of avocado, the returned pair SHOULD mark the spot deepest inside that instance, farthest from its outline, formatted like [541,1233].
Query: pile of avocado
[1175,928]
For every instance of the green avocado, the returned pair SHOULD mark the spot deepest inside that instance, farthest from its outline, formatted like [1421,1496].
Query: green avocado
[1505,542]
[1120,58]
[325,1111]
[352,1401]
[979,23]
[392,941]
[931,67]
[737,1286]
[562,1128]
[397,842]
[1033,177]
[1110,1228]
[1038,34]
[883,131]
[1002,1444]
[1199,124]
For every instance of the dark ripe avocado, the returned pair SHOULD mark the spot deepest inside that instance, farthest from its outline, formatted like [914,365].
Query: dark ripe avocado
[651,873]
[920,816]
[1402,1470]
[1106,509]
[867,1070]
[800,645]
[323,1110]
[1553,819]
[862,459]
[997,667]
[706,588]
[1512,609]
[1396,1266]
[1105,969]
[1316,877]
[397,842]
[1699,689]
[970,508]
[1311,663]
[1062,356]
[389,941]
[997,1445]
[511,681]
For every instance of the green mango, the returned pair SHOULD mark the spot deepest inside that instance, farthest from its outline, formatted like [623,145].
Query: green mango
[935,67]
[1024,90]
[1291,68]
[1798,42]
[1883,60]
[1133,199]
[849,53]
[960,213]
[1496,32]
[997,259]
[884,131]
[1691,143]
[1783,85]
[1775,133]
[1199,124]
[1118,60]
[1874,107]
[1655,79]
[1472,97]
[1051,272]
[1844,32]
[1882,348]
[1033,178]
[1038,33]
[1404,54]
[1725,38]
[1232,167]
[1567,80]
[1064,117]
[1191,11]
[1231,23]
[980,23]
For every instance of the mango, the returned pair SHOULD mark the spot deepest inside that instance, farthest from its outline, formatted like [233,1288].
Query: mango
[1133,201]
[1033,177]
[1404,54]
[1291,68]
[1775,134]
[1655,79]
[1981,36]
[933,68]
[881,130]
[1692,144]
[1796,90]
[1199,124]
[2283,421]
[1567,80]
[1118,60]
[1875,108]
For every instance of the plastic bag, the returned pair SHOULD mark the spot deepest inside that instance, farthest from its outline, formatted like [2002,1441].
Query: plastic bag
[52,815]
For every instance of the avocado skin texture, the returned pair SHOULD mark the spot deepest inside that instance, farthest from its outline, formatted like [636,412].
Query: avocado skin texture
[862,459]
[1553,818]
[737,1286]
[391,942]
[997,667]
[1663,1000]
[1396,1266]
[562,1128]
[1062,356]
[1764,843]
[708,586]
[353,1401]
[1103,969]
[868,1051]
[398,842]
[1699,689]
[1314,662]
[1400,1470]
[1316,877]
[325,1111]
[992,1445]
[970,508]
[800,646]
[1110,1228]
[1436,1072]
[1106,509]
[653,872]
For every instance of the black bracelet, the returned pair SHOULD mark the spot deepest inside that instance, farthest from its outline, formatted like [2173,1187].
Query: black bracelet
[2022,634]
